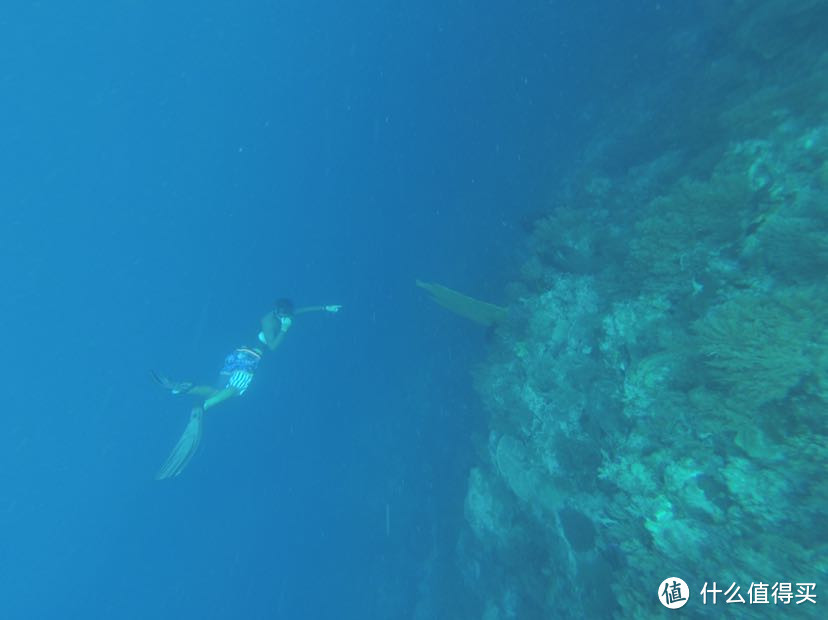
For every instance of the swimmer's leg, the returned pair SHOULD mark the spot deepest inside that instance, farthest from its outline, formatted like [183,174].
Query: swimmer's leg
[184,387]
[203,391]
[185,448]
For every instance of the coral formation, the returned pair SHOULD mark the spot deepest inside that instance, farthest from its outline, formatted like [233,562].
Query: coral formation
[657,392]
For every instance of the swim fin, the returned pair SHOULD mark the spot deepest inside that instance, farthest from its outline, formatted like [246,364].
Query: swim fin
[185,448]
[468,307]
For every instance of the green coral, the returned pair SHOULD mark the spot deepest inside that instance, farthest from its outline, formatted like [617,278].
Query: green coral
[679,234]
[791,242]
[760,346]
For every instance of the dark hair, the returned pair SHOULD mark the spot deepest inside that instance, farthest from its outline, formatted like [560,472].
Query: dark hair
[284,307]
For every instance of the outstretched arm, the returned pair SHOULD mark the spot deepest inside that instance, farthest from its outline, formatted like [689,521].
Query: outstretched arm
[274,326]
[328,308]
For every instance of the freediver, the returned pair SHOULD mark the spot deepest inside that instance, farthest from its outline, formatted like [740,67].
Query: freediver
[239,368]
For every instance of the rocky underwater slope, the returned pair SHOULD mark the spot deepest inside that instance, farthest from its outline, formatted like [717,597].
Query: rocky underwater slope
[658,395]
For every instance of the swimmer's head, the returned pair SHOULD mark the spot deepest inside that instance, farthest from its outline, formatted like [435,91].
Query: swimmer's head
[283,307]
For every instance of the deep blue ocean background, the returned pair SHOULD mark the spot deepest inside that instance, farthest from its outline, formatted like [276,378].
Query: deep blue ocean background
[167,172]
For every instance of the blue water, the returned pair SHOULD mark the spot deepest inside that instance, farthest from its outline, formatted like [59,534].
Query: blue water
[167,172]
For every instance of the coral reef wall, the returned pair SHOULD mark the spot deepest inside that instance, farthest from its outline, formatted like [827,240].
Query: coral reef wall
[658,396]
